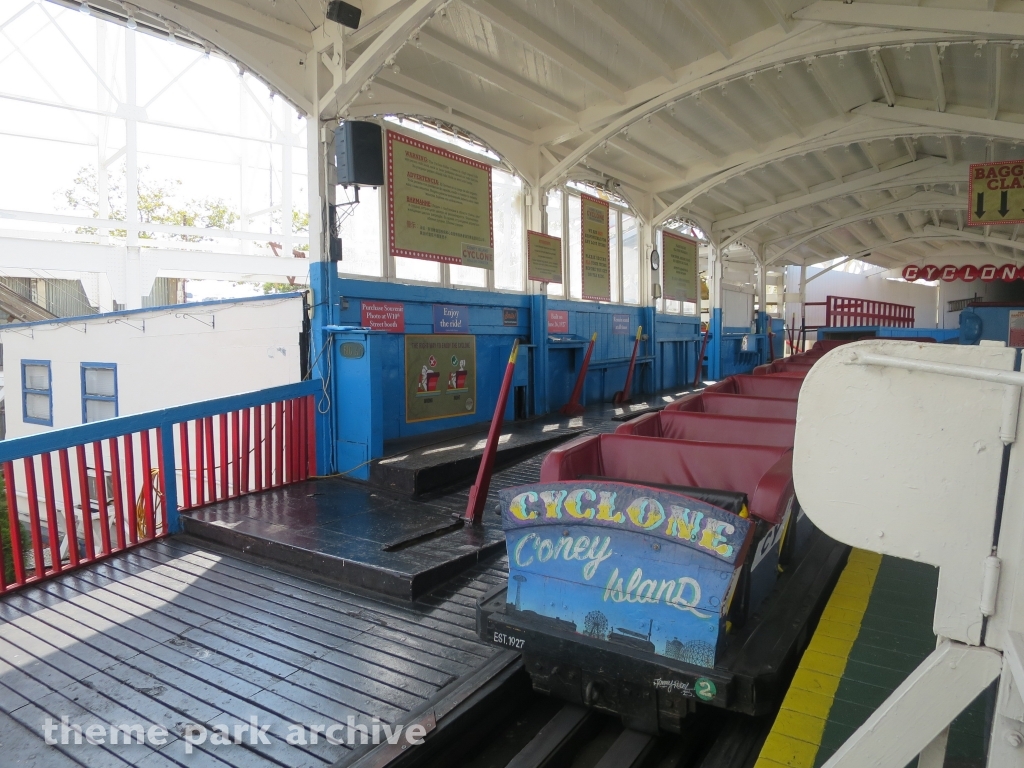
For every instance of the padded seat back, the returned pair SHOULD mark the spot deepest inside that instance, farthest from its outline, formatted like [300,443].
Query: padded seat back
[641,460]
[736,405]
[712,428]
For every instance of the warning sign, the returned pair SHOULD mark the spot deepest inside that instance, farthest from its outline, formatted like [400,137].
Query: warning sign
[996,193]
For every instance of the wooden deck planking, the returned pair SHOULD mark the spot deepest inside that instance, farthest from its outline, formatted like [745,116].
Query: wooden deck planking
[172,633]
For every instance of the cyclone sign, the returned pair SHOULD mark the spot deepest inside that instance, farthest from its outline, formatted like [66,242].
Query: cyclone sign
[967,273]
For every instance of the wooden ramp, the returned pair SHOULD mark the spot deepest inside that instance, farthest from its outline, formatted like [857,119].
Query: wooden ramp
[876,629]
[174,633]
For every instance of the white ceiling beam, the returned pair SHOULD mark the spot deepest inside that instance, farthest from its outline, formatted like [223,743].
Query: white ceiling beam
[706,25]
[765,89]
[997,81]
[814,67]
[793,178]
[908,144]
[414,90]
[826,192]
[760,51]
[648,156]
[370,28]
[883,75]
[947,142]
[709,102]
[827,163]
[544,41]
[244,17]
[972,237]
[692,141]
[938,82]
[927,19]
[626,34]
[725,200]
[865,147]
[376,54]
[883,227]
[760,188]
[780,18]
[965,124]
[475,64]
[919,202]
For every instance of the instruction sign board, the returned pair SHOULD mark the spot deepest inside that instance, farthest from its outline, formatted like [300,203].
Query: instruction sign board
[544,257]
[996,193]
[383,316]
[558,321]
[639,567]
[597,268]
[451,318]
[681,268]
[620,325]
[440,376]
[439,204]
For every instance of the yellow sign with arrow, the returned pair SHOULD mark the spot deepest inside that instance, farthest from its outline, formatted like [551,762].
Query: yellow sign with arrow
[996,193]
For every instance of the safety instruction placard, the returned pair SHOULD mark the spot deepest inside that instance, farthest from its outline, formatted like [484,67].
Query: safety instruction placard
[439,204]
[680,264]
[597,268]
[440,376]
[996,193]
[544,257]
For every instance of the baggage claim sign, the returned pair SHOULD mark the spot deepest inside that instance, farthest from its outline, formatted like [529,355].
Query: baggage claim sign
[996,193]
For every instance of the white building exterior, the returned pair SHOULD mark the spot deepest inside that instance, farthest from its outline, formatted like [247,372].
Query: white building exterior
[123,363]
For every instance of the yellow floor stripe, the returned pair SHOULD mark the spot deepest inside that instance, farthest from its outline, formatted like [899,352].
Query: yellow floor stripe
[796,734]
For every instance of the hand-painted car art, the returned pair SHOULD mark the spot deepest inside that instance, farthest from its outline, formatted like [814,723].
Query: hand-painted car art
[642,567]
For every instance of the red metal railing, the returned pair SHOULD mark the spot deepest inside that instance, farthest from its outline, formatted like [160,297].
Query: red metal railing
[843,312]
[77,495]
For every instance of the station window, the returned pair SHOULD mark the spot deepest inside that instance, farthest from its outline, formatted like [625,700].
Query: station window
[36,392]
[99,391]
[630,259]
[554,228]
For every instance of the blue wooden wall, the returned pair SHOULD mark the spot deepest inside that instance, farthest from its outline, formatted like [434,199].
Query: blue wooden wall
[548,363]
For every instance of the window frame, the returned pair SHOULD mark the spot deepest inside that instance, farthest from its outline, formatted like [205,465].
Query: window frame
[26,391]
[100,398]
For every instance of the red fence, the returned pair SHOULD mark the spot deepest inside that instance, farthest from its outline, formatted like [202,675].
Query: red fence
[844,312]
[80,494]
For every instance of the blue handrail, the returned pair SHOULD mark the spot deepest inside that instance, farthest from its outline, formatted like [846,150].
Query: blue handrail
[69,437]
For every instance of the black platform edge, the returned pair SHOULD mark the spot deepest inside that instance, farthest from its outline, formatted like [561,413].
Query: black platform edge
[751,680]
[341,572]
[455,709]
[418,481]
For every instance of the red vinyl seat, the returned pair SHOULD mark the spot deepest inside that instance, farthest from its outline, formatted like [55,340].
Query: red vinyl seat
[736,405]
[758,386]
[712,428]
[764,473]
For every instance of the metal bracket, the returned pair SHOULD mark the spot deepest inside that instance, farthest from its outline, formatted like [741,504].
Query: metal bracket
[132,325]
[197,318]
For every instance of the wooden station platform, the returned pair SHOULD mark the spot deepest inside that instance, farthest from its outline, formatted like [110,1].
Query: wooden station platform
[876,628]
[377,539]
[175,633]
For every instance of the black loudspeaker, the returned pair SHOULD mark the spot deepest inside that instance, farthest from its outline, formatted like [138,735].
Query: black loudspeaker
[344,14]
[359,153]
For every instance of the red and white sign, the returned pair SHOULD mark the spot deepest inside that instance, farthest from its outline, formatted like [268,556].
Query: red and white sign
[558,321]
[967,273]
[1016,336]
[384,316]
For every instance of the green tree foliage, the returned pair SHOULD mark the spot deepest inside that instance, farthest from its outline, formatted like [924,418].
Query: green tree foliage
[156,204]
[5,535]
